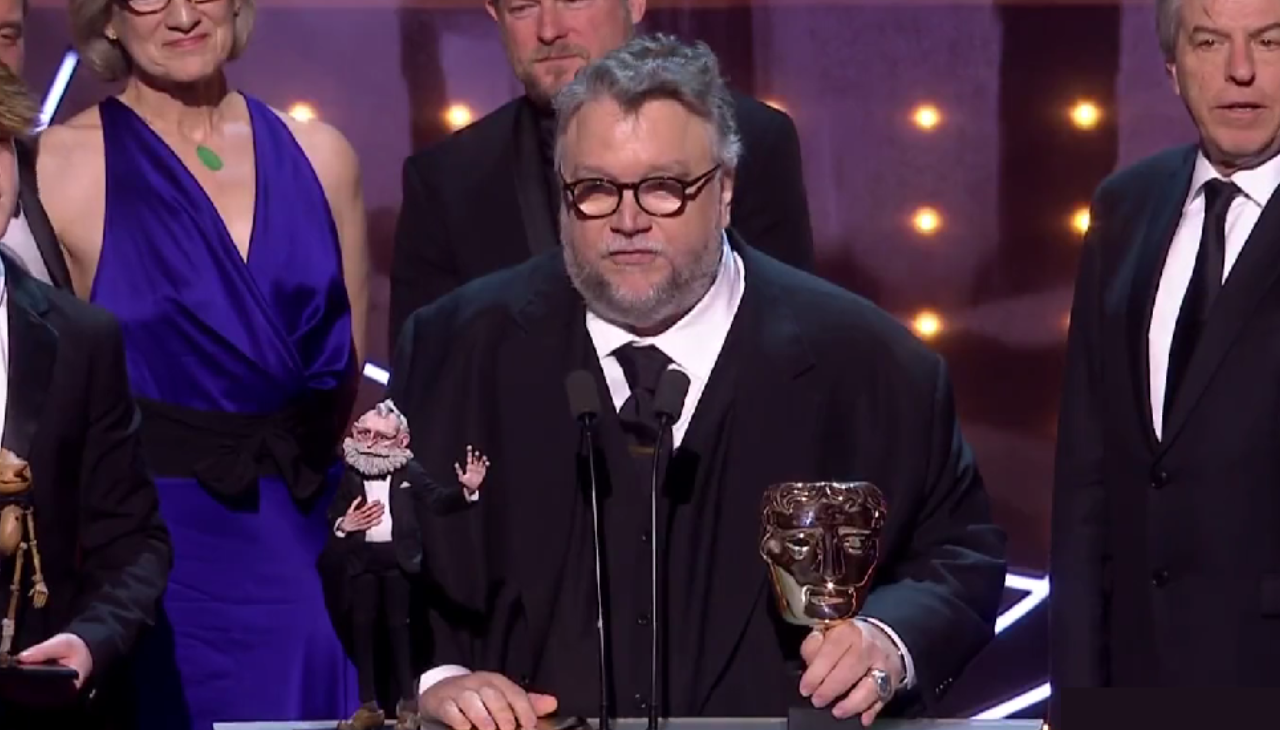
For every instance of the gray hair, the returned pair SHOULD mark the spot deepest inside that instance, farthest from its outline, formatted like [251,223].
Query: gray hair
[1168,25]
[388,408]
[657,67]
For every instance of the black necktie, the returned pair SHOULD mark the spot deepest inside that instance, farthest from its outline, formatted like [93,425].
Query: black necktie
[1202,290]
[643,366]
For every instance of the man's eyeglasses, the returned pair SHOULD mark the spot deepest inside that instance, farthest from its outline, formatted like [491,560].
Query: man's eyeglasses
[661,196]
[148,7]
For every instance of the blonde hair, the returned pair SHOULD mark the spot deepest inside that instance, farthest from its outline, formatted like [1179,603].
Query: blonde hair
[89,21]
[18,110]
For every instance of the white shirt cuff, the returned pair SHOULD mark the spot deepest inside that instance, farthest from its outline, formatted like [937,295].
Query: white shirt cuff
[337,529]
[472,495]
[909,679]
[440,673]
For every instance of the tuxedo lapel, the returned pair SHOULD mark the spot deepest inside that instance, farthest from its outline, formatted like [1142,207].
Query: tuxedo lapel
[1251,277]
[37,221]
[529,176]
[769,412]
[1146,262]
[540,442]
[33,349]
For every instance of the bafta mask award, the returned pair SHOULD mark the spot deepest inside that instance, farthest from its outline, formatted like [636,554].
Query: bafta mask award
[17,540]
[821,541]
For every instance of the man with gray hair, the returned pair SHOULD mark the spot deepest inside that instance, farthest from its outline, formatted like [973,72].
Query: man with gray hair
[487,197]
[790,378]
[1166,515]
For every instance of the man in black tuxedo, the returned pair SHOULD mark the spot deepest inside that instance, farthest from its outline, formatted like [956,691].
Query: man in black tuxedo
[29,237]
[488,197]
[791,379]
[1166,515]
[68,413]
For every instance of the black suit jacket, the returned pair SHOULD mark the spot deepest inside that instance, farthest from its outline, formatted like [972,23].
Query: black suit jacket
[826,387]
[37,221]
[103,546]
[477,202]
[1166,554]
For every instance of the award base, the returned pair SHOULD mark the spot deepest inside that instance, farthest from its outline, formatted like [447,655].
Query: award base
[36,685]
[814,718]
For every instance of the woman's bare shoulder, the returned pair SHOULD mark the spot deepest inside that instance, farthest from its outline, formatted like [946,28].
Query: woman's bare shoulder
[67,146]
[327,149]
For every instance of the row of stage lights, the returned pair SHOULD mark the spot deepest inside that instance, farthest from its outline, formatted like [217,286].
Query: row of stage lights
[926,220]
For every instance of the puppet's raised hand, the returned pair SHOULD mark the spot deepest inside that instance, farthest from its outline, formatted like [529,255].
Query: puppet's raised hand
[473,473]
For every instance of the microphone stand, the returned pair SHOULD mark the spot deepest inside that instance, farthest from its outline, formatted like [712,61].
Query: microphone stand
[668,403]
[664,432]
[595,528]
[584,402]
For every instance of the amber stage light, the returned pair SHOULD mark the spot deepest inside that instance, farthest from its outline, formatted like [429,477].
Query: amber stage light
[1085,114]
[926,220]
[458,116]
[927,324]
[1080,220]
[302,112]
[926,117]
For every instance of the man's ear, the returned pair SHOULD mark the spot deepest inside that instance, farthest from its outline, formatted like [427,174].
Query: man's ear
[635,8]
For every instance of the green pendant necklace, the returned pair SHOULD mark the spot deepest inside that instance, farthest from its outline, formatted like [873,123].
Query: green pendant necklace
[209,157]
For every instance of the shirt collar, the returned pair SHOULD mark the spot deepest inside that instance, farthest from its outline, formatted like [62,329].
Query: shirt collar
[685,342]
[1257,183]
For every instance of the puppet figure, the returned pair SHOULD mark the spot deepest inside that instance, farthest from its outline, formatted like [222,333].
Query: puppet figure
[18,539]
[375,530]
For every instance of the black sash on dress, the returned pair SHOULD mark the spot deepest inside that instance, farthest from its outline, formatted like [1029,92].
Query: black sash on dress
[228,452]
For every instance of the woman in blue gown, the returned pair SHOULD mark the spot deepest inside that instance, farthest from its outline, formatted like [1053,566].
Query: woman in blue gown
[229,241]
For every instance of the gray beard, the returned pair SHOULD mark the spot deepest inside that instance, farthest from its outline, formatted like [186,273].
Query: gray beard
[667,301]
[374,461]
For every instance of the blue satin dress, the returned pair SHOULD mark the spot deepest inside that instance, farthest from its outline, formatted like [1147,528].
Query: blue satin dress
[244,633]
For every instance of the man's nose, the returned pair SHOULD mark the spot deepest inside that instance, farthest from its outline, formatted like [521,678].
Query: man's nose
[550,23]
[630,218]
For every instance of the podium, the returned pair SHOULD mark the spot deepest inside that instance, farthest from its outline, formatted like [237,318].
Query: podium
[699,723]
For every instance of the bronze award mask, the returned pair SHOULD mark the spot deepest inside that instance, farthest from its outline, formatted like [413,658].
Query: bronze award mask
[821,541]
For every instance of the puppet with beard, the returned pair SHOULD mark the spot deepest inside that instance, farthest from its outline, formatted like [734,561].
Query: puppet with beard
[376,545]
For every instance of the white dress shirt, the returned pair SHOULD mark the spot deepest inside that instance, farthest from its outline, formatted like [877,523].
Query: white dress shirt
[693,345]
[378,489]
[18,239]
[1256,186]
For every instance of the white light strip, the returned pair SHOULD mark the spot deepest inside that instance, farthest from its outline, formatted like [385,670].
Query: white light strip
[58,88]
[376,374]
[1021,702]
[1037,590]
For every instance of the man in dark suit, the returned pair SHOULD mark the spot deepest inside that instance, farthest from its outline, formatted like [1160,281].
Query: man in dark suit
[1166,514]
[29,237]
[68,412]
[488,197]
[790,379]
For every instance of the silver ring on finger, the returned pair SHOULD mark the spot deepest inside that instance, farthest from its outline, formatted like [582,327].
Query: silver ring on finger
[883,685]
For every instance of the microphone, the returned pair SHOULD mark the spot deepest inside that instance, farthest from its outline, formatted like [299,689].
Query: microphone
[668,402]
[584,403]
